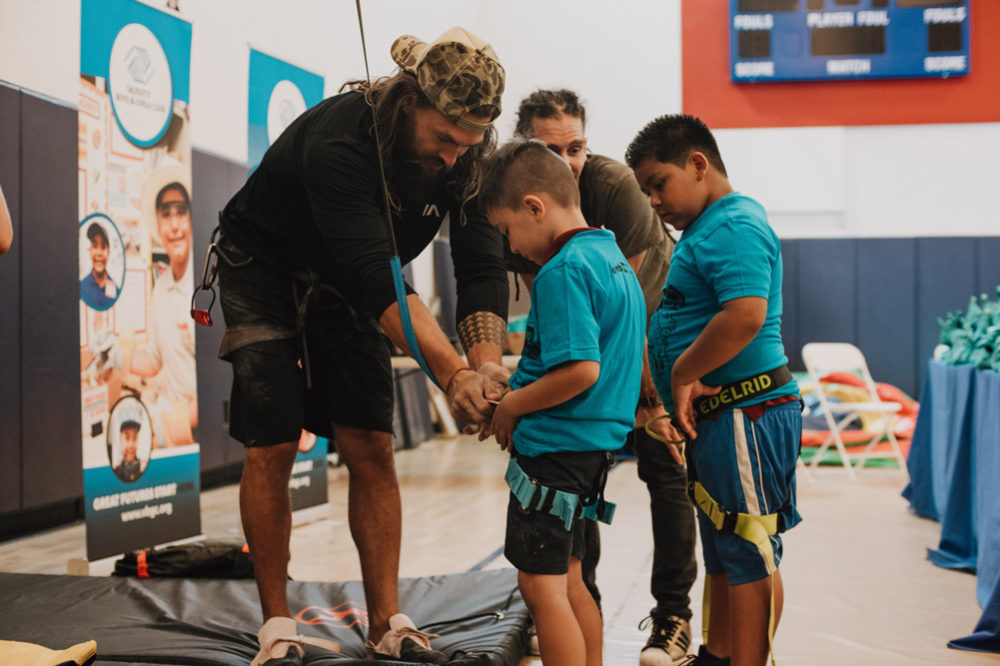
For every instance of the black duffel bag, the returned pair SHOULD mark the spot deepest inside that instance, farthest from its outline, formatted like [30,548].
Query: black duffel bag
[200,559]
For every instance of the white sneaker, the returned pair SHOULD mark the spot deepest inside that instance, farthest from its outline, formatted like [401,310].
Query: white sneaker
[404,642]
[668,642]
[280,645]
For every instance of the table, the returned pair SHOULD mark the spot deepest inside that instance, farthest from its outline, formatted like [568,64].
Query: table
[954,465]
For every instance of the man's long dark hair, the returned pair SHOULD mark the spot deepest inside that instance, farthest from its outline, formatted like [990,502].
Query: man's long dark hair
[387,96]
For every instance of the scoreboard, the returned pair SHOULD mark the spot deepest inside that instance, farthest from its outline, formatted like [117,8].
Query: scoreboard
[810,40]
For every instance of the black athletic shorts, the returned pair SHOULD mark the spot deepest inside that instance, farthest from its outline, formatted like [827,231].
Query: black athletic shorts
[348,358]
[538,542]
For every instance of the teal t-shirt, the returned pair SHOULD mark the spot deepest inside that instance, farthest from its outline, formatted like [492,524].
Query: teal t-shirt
[729,252]
[586,305]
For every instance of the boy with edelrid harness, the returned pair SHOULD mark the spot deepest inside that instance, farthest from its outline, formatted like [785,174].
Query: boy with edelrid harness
[572,399]
[717,358]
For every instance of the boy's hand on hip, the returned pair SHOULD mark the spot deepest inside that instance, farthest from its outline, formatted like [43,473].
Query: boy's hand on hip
[685,393]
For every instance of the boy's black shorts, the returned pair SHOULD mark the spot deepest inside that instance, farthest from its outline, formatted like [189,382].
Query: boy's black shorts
[349,359]
[538,542]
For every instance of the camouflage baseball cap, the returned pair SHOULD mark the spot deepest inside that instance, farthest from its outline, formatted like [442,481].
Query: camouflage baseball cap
[458,71]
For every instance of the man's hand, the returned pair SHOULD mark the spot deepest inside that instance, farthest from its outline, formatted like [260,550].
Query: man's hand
[662,427]
[684,394]
[467,398]
[673,438]
[499,377]
[644,415]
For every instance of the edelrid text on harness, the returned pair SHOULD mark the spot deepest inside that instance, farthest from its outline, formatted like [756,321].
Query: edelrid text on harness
[533,496]
[741,391]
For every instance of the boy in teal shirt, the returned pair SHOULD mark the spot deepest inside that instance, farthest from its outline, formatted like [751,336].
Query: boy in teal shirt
[717,358]
[572,399]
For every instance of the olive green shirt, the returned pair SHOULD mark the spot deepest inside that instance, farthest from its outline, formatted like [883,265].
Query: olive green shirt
[610,198]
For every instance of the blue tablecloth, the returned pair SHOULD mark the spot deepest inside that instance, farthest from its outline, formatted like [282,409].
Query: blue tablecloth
[954,465]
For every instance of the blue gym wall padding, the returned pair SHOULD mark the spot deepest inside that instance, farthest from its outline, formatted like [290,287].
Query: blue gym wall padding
[886,305]
[10,305]
[883,295]
[51,440]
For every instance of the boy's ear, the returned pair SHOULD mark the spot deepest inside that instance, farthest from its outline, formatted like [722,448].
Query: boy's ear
[700,163]
[533,204]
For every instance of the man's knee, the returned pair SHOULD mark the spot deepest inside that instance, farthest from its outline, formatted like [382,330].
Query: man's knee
[274,461]
[364,451]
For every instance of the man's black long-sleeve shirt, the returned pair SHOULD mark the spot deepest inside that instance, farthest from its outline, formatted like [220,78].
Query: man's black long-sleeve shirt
[316,202]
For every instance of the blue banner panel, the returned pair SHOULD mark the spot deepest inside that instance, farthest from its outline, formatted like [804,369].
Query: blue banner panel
[308,480]
[279,93]
[160,506]
[101,21]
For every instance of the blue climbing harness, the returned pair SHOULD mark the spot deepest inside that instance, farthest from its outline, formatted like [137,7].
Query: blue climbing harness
[566,506]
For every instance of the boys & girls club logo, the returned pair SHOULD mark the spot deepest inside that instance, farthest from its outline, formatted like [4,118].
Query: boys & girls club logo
[285,105]
[140,86]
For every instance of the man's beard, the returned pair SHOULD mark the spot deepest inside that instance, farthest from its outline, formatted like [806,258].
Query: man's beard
[411,180]
[414,176]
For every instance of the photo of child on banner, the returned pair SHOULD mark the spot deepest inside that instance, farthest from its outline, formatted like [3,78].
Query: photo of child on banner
[130,439]
[166,361]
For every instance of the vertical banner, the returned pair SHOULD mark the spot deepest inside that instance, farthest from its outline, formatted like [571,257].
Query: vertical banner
[279,92]
[137,357]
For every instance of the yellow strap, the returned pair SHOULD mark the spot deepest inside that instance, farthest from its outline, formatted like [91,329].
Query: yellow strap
[706,606]
[755,529]
[660,438]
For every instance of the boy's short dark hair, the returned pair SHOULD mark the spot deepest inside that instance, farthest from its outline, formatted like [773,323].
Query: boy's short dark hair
[522,167]
[545,104]
[94,230]
[670,139]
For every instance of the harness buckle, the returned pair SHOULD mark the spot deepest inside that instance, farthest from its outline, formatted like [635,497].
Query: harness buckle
[728,521]
[209,271]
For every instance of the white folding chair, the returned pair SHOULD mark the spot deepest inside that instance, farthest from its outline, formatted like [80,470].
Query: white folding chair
[823,358]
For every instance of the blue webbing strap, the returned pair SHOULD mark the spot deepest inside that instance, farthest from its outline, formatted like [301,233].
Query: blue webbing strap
[404,317]
[394,262]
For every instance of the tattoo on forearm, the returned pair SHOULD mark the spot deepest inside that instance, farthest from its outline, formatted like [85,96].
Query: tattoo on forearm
[481,327]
